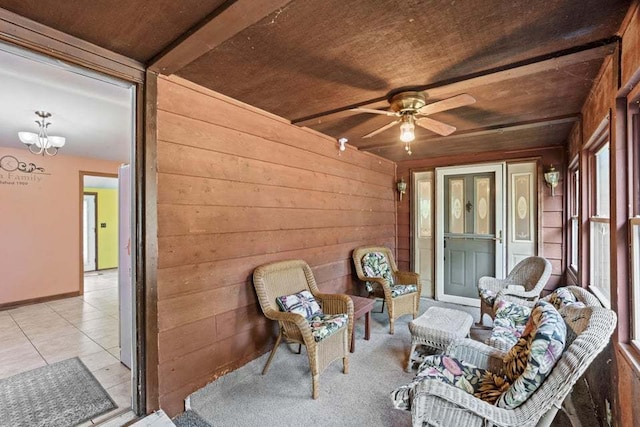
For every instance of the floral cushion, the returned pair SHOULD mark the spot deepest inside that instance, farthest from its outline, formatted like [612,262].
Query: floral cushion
[375,264]
[324,325]
[488,295]
[301,303]
[529,362]
[398,290]
[476,381]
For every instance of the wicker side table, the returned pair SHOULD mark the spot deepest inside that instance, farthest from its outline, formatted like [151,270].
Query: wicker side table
[436,328]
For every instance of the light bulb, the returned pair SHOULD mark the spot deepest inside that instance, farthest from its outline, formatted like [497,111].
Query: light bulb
[407,132]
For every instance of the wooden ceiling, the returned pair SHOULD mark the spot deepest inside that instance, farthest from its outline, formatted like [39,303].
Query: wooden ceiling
[530,65]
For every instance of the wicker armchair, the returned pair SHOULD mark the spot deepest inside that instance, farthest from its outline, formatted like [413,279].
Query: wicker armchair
[524,283]
[398,303]
[434,403]
[288,277]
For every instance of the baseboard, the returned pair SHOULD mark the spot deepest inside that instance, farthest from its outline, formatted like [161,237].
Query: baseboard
[8,305]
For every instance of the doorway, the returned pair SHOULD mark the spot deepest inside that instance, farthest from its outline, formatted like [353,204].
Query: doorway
[89,231]
[469,230]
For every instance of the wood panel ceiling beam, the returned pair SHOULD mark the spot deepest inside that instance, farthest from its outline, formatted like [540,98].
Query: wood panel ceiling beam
[484,131]
[552,61]
[37,37]
[224,23]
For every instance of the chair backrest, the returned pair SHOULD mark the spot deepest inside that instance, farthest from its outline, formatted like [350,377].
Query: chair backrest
[593,327]
[282,278]
[568,295]
[532,272]
[361,251]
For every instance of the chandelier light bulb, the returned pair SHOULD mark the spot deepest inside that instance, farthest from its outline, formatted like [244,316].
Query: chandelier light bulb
[41,142]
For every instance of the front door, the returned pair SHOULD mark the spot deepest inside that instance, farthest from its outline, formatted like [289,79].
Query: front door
[470,228]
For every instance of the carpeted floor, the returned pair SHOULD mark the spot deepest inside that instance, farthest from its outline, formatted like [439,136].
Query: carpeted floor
[190,419]
[60,394]
[282,397]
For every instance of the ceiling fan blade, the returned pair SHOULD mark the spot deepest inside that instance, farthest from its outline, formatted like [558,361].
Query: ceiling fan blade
[447,104]
[435,126]
[372,111]
[382,129]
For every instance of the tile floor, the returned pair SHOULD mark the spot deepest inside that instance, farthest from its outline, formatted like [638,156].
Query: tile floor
[39,334]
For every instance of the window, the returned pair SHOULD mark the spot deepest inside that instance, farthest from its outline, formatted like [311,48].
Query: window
[599,251]
[574,208]
[634,220]
[635,278]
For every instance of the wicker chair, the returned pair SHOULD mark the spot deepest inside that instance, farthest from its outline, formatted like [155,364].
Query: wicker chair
[288,277]
[434,403]
[524,283]
[398,305]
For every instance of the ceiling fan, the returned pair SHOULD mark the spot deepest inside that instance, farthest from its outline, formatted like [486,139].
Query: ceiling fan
[411,109]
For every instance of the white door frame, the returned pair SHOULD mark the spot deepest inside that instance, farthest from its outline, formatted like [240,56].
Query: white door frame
[90,231]
[499,170]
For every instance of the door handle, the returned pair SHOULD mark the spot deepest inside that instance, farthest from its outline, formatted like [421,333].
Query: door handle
[499,237]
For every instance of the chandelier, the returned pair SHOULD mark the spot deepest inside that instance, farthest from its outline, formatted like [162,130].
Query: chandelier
[41,142]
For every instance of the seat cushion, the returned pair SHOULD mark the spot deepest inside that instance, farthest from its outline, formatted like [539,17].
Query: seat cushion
[398,290]
[302,303]
[479,382]
[376,264]
[535,354]
[324,325]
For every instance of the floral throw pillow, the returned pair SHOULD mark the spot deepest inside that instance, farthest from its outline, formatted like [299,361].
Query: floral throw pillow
[535,354]
[301,303]
[375,264]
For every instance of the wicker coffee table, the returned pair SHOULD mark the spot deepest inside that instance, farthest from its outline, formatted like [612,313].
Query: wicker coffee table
[436,328]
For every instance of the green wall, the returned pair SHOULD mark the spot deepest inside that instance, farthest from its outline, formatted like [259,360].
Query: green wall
[108,236]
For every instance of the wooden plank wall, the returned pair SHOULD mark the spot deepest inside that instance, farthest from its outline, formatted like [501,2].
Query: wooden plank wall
[238,187]
[553,217]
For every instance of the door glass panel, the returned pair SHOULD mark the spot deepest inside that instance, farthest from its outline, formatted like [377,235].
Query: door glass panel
[456,206]
[483,206]
[522,199]
[424,191]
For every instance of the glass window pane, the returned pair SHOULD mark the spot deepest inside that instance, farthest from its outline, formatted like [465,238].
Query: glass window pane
[574,243]
[600,260]
[635,271]
[602,182]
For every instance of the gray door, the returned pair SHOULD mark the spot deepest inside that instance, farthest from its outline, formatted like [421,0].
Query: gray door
[469,232]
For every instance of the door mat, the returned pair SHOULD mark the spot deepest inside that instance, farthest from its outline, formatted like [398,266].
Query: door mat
[60,394]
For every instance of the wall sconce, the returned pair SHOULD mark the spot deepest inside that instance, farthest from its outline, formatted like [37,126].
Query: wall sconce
[402,187]
[343,144]
[552,177]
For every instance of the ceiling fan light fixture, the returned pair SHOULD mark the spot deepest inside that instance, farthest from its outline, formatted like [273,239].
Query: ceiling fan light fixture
[407,129]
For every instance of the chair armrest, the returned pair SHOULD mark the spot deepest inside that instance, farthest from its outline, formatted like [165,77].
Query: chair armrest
[407,278]
[336,303]
[451,403]
[285,316]
[519,294]
[492,284]
[477,354]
